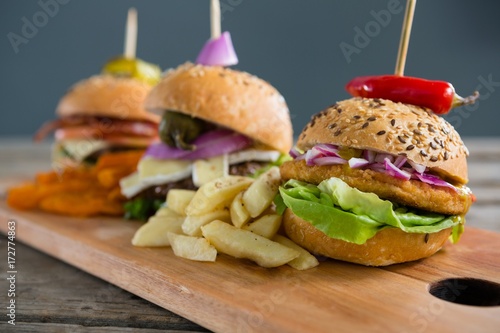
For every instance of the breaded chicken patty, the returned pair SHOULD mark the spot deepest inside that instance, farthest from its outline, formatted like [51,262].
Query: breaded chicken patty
[412,193]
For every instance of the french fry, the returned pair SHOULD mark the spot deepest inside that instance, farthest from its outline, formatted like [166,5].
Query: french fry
[178,200]
[261,193]
[217,194]
[155,232]
[166,211]
[245,244]
[304,261]
[266,225]
[193,223]
[193,248]
[239,214]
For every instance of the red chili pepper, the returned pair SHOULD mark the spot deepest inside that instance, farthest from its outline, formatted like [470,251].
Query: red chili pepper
[439,96]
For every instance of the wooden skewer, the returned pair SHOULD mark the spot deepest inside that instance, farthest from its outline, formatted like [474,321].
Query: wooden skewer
[215,25]
[131,34]
[405,37]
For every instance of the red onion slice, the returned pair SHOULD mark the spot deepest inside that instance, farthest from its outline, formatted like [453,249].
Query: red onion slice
[210,144]
[394,171]
[328,160]
[295,153]
[327,149]
[380,158]
[434,180]
[358,162]
[218,52]
[418,167]
[400,161]
[369,155]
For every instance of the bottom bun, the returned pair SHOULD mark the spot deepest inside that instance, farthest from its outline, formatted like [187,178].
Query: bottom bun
[389,246]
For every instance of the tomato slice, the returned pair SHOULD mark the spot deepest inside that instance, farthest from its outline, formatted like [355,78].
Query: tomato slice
[88,133]
[96,127]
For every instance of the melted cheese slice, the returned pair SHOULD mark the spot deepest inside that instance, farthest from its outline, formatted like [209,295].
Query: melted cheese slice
[153,171]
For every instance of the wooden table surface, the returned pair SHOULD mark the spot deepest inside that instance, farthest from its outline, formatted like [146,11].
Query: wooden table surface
[56,297]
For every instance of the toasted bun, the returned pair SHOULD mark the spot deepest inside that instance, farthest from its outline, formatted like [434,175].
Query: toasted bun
[227,97]
[395,128]
[107,96]
[389,246]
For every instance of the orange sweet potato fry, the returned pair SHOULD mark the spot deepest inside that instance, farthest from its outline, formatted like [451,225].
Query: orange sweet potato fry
[128,159]
[70,204]
[115,194]
[78,191]
[76,185]
[113,208]
[81,173]
[23,197]
[110,177]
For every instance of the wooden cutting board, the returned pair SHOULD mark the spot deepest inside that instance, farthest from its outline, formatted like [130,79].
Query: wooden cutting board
[234,295]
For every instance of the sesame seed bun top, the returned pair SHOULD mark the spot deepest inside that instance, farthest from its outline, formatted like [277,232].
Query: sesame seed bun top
[385,126]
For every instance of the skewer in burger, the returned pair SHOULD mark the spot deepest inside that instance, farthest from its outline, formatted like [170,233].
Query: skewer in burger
[375,182]
[215,121]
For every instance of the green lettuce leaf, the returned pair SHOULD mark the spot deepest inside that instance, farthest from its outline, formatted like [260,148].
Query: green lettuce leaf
[141,208]
[345,213]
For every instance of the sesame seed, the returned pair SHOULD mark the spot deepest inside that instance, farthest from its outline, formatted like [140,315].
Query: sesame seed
[332,126]
[433,145]
[365,125]
[380,132]
[338,132]
[356,117]
[446,155]
[339,110]
[393,122]
[372,118]
[434,158]
[400,138]
[417,132]
[410,147]
[423,153]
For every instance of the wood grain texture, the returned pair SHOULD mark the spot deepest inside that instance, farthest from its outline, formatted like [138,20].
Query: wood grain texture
[55,297]
[237,296]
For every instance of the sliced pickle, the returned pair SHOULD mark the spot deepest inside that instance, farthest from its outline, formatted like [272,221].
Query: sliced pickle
[134,68]
[179,130]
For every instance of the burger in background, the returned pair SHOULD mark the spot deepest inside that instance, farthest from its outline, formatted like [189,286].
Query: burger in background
[375,182]
[104,113]
[101,133]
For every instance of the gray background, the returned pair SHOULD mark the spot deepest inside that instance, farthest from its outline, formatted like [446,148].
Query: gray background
[293,44]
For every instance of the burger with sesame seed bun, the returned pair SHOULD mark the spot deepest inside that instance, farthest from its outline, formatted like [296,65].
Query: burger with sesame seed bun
[375,182]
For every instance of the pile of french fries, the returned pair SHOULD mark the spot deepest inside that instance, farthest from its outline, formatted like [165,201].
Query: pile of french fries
[233,215]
